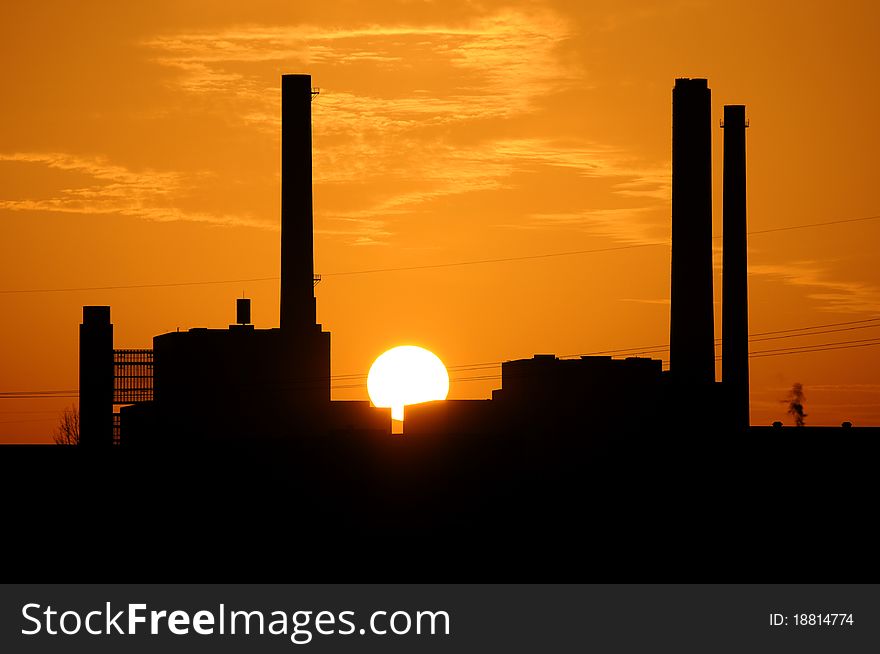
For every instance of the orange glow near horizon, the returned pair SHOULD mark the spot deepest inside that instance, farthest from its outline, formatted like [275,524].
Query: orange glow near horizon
[140,146]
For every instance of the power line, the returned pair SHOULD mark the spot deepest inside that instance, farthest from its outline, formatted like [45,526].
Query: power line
[38,397]
[452,264]
[659,348]
[40,412]
[15,422]
[592,251]
[664,348]
[867,323]
[811,225]
[645,349]
[819,346]
[648,349]
[40,392]
[135,286]
[815,333]
[759,355]
[333,274]
[478,262]
[830,324]
[801,349]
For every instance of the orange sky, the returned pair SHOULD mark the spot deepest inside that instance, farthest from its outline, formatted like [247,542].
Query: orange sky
[139,144]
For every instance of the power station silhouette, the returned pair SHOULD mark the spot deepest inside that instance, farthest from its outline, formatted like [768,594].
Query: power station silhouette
[219,385]
[233,459]
[206,387]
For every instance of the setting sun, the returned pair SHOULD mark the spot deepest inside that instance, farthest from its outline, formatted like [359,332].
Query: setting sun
[404,375]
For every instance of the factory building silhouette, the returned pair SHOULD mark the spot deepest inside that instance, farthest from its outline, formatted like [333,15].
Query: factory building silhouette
[209,385]
[238,382]
[634,394]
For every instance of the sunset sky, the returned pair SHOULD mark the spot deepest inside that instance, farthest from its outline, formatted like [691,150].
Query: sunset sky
[140,145]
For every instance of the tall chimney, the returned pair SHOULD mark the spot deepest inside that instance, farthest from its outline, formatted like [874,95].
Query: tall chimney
[96,378]
[735,286]
[297,250]
[692,330]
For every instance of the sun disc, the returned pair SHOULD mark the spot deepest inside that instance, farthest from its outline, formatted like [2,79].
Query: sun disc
[405,375]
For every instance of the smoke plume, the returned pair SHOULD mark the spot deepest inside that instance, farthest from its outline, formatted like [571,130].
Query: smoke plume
[796,400]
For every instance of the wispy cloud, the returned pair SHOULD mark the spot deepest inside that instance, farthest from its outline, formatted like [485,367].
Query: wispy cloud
[414,144]
[114,189]
[635,178]
[358,231]
[658,301]
[418,139]
[442,170]
[631,226]
[500,63]
[841,296]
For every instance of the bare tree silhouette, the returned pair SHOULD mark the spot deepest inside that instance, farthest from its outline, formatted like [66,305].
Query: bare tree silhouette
[67,432]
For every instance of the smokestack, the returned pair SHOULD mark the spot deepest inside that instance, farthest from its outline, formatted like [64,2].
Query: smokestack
[96,377]
[735,286]
[297,250]
[692,330]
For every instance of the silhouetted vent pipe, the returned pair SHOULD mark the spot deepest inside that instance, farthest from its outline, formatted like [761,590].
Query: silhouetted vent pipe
[243,311]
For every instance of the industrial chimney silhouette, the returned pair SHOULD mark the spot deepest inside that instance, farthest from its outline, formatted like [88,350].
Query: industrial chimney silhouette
[96,377]
[692,331]
[735,290]
[297,248]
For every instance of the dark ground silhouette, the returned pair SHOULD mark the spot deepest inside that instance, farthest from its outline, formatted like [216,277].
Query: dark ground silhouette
[789,504]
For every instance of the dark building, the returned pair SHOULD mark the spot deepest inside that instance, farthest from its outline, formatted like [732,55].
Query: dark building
[546,394]
[585,393]
[241,382]
[601,395]
[692,331]
[735,284]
